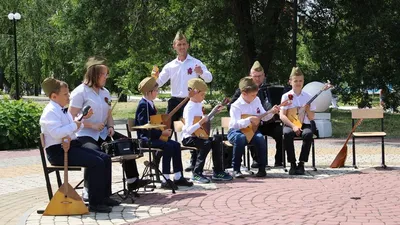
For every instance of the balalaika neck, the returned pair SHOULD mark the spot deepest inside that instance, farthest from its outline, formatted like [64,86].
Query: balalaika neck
[170,114]
[313,98]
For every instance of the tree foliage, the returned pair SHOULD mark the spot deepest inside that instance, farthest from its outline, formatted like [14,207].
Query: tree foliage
[352,43]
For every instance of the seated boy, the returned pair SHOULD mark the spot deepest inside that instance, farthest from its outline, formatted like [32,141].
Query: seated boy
[290,130]
[192,109]
[171,149]
[247,103]
[57,123]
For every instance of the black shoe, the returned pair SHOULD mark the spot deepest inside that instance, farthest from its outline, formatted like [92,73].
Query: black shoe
[111,202]
[300,169]
[183,182]
[189,168]
[169,185]
[254,164]
[292,170]
[278,164]
[261,172]
[100,208]
[138,184]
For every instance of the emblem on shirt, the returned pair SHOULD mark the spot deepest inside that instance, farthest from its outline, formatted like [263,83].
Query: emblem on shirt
[190,71]
[258,110]
[108,101]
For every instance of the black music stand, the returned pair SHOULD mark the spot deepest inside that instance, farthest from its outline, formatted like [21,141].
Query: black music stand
[125,193]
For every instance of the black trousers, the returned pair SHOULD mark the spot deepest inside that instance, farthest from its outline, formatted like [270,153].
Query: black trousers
[306,135]
[204,146]
[172,103]
[97,172]
[273,130]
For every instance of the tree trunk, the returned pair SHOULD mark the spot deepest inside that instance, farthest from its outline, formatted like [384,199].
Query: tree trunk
[244,26]
[241,10]
[123,98]
[271,13]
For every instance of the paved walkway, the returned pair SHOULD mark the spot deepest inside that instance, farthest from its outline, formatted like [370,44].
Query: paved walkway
[327,196]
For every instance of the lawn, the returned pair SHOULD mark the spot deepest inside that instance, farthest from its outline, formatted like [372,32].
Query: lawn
[341,119]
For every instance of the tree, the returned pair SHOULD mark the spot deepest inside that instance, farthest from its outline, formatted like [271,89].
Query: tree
[355,44]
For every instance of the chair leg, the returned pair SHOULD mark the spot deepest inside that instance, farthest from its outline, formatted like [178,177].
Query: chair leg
[266,150]
[313,155]
[244,158]
[248,159]
[354,154]
[48,184]
[77,186]
[58,178]
[383,153]
[283,154]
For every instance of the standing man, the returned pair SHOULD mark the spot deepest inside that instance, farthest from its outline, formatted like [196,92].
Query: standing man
[270,128]
[180,70]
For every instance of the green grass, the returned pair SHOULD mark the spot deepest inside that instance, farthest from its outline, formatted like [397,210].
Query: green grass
[341,119]
[341,124]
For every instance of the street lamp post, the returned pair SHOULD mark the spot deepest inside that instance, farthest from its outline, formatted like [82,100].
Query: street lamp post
[294,41]
[14,17]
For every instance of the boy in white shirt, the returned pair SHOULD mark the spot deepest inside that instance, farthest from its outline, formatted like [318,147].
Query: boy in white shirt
[247,103]
[290,130]
[192,109]
[56,124]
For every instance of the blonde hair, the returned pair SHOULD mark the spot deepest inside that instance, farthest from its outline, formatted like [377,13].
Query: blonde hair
[179,37]
[296,72]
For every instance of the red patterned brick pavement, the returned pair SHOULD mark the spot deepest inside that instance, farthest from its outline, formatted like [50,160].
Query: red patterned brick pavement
[368,197]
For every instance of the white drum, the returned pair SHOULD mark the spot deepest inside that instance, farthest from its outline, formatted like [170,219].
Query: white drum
[324,100]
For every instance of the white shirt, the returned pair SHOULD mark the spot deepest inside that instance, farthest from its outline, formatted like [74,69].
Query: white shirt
[180,72]
[191,110]
[55,124]
[84,95]
[240,107]
[150,102]
[298,101]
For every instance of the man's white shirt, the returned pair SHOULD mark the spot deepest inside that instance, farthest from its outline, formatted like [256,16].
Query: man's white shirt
[180,72]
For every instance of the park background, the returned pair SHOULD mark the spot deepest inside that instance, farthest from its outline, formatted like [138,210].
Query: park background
[354,44]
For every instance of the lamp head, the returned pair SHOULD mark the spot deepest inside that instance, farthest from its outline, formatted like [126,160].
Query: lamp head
[17,16]
[14,16]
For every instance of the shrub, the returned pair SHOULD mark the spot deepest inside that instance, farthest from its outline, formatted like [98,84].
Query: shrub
[19,124]
[213,99]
